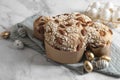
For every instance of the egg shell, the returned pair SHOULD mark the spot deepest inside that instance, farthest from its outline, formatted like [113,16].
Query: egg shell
[106,15]
[18,44]
[89,55]
[96,5]
[5,34]
[88,66]
[93,13]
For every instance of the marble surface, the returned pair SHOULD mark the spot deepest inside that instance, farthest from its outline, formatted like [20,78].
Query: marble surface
[27,64]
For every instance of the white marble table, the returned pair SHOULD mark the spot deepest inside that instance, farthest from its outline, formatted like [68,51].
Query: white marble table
[27,64]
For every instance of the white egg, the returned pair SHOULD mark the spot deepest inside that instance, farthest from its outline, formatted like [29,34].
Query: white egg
[93,13]
[96,5]
[116,16]
[105,15]
[110,24]
[18,44]
[110,6]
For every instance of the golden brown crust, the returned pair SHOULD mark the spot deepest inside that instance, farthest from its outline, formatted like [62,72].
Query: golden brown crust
[39,27]
[70,32]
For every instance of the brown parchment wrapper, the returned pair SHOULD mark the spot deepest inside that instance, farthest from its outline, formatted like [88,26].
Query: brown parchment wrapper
[63,56]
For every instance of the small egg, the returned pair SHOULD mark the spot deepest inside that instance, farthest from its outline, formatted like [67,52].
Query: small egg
[101,64]
[88,66]
[93,13]
[5,34]
[116,16]
[110,6]
[18,44]
[105,58]
[106,15]
[89,55]
[22,32]
[96,5]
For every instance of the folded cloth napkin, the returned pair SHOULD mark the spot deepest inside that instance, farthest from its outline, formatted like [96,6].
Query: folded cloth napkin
[30,41]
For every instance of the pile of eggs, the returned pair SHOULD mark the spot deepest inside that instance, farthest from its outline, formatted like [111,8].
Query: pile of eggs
[93,63]
[106,13]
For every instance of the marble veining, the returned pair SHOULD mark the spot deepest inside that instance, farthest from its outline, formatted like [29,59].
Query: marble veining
[27,64]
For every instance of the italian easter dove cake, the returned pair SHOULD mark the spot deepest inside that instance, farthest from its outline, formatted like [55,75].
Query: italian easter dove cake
[67,36]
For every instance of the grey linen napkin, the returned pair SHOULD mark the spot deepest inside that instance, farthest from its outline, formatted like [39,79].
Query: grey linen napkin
[30,41]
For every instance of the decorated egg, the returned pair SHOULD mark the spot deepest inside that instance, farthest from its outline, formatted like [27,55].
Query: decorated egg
[105,58]
[110,6]
[5,34]
[22,32]
[105,15]
[93,13]
[101,64]
[18,44]
[89,55]
[96,5]
[88,66]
